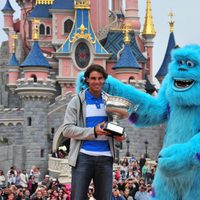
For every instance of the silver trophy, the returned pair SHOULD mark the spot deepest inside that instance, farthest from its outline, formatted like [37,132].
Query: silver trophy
[117,109]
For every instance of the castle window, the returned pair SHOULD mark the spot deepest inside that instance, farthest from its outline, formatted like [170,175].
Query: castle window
[34,78]
[82,55]
[68,26]
[42,153]
[48,32]
[42,29]
[29,121]
[130,80]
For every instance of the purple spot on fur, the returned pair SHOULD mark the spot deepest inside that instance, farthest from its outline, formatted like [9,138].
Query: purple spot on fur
[168,111]
[198,156]
[133,117]
[153,194]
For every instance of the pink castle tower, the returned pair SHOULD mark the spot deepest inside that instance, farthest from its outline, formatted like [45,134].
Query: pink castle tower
[132,14]
[99,14]
[8,16]
[117,5]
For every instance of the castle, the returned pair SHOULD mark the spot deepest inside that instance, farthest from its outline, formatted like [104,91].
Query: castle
[47,47]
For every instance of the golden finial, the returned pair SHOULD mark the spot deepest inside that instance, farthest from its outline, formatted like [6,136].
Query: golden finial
[148,25]
[36,29]
[82,29]
[44,2]
[14,37]
[171,23]
[82,4]
[126,28]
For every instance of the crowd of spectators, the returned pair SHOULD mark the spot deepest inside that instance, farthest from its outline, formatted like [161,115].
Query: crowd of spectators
[20,185]
[131,181]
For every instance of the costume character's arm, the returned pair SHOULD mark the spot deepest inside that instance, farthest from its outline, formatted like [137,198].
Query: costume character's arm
[70,127]
[180,158]
[150,110]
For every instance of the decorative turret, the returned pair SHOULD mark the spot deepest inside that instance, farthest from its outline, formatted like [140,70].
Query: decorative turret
[36,90]
[127,63]
[132,14]
[117,5]
[13,67]
[8,17]
[148,34]
[163,70]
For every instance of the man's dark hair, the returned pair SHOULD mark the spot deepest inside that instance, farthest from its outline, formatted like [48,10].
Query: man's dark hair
[97,68]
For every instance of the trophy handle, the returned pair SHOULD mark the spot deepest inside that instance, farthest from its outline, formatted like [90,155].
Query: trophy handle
[105,96]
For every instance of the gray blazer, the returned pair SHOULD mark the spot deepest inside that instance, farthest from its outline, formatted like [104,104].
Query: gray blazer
[74,127]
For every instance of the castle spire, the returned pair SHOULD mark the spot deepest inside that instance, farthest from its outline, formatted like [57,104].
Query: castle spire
[8,8]
[171,22]
[148,25]
[163,70]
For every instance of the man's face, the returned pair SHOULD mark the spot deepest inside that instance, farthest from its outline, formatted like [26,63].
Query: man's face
[95,82]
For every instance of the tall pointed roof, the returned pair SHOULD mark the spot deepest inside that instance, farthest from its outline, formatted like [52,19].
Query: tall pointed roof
[127,59]
[148,25]
[35,58]
[8,7]
[163,70]
[82,29]
[13,61]
[164,67]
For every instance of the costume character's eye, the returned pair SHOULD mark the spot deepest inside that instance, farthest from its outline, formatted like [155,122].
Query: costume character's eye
[190,63]
[181,62]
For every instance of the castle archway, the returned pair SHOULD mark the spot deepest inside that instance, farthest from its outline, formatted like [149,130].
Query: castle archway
[59,140]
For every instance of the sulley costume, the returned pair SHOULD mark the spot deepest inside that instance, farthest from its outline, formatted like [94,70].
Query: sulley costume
[178,106]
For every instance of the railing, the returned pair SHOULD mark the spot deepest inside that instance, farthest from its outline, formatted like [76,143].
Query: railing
[60,169]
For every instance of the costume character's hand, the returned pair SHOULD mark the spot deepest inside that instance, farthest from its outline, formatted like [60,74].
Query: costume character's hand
[175,159]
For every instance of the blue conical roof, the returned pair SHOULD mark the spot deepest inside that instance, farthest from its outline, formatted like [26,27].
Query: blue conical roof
[164,67]
[127,59]
[8,7]
[13,61]
[35,57]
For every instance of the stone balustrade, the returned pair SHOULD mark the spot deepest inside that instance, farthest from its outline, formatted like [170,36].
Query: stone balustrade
[60,169]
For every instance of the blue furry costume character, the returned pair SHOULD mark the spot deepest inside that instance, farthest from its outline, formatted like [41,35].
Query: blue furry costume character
[178,105]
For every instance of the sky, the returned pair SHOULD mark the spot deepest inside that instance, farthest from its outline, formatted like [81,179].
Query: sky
[186,27]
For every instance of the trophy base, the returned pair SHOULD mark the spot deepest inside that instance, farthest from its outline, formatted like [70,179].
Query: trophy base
[114,129]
